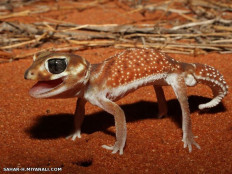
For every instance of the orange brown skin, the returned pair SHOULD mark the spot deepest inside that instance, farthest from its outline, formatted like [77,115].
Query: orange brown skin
[104,83]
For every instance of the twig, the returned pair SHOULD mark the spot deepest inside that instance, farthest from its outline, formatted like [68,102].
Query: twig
[24,43]
[16,14]
[192,24]
[26,55]
[208,32]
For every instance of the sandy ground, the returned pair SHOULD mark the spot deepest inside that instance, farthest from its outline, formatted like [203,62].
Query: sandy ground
[33,131]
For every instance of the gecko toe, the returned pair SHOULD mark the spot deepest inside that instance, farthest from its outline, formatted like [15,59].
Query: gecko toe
[75,135]
[197,145]
[189,141]
[108,147]
[114,149]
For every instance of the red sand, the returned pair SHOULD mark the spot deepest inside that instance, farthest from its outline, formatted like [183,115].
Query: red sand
[33,131]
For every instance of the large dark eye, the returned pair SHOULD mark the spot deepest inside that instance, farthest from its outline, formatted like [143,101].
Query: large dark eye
[56,66]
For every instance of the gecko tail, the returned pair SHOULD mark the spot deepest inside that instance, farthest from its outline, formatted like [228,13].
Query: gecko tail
[211,77]
[214,102]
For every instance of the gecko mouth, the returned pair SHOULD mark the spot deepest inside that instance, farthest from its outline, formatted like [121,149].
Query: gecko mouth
[43,87]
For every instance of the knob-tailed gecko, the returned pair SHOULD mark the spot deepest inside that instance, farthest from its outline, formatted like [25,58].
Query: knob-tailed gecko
[62,75]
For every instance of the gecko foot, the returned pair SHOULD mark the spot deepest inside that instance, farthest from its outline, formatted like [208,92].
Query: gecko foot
[75,135]
[114,148]
[189,140]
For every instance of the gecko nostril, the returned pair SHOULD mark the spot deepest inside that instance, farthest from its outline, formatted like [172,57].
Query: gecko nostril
[29,74]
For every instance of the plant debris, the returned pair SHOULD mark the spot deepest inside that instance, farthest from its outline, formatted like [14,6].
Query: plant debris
[203,30]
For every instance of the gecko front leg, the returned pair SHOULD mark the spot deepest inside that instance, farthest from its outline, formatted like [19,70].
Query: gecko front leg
[120,124]
[78,118]
[162,104]
[178,84]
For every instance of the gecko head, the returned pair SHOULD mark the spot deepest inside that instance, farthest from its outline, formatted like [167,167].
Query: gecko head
[59,75]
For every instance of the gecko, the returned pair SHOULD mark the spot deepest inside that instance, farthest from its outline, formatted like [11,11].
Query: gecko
[65,75]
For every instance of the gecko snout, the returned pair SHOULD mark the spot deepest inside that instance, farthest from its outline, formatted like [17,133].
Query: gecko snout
[29,75]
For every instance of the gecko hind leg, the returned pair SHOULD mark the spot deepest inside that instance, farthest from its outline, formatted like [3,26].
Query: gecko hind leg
[162,104]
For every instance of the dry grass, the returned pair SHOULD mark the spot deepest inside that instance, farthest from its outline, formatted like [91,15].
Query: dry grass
[204,30]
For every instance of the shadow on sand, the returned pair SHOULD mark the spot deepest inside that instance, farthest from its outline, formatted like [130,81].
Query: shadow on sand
[61,125]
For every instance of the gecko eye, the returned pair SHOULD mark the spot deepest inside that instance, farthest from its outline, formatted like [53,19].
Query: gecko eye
[56,66]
